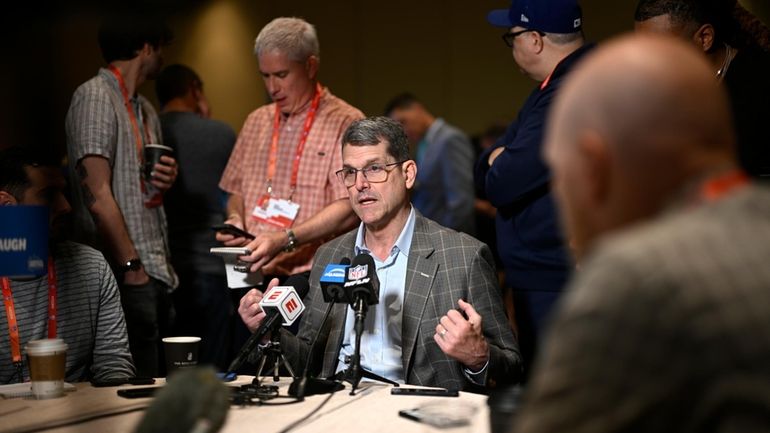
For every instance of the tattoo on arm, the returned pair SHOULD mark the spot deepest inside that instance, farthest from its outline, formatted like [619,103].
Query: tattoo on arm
[88,196]
[82,172]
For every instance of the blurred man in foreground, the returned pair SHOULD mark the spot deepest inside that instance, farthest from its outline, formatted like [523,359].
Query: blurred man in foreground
[666,327]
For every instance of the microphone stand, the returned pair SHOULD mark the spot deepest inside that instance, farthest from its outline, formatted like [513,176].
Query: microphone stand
[306,385]
[251,344]
[273,349]
[354,373]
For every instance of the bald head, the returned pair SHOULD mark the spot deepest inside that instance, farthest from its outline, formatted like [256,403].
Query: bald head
[634,123]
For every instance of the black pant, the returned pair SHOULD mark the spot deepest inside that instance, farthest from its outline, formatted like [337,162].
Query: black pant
[532,309]
[149,315]
[204,309]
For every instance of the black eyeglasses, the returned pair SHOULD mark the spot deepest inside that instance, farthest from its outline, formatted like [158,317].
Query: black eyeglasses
[510,36]
[373,173]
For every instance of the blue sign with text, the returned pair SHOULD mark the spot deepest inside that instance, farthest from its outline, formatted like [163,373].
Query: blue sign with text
[23,241]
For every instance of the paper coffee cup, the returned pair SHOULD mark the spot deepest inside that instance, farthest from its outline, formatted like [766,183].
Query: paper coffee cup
[152,154]
[46,359]
[181,353]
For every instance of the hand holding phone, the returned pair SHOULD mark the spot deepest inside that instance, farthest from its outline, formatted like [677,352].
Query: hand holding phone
[233,231]
[230,251]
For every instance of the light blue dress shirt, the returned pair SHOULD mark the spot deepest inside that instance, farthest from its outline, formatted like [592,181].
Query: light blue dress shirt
[381,342]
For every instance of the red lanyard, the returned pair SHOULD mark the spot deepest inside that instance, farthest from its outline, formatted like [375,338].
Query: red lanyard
[545,82]
[10,312]
[134,123]
[272,159]
[716,188]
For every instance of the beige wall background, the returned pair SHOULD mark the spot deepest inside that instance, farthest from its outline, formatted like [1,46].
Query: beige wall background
[442,50]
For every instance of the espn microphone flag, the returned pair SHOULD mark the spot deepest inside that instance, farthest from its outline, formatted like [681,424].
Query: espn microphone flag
[286,301]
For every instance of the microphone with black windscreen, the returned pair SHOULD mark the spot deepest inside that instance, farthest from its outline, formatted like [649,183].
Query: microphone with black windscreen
[193,400]
[361,282]
[282,305]
[332,281]
[362,287]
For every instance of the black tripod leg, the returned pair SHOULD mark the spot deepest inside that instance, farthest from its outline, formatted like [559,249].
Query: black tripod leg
[288,366]
[261,365]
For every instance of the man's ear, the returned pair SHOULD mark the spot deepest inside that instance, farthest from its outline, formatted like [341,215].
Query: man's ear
[144,51]
[7,199]
[311,66]
[704,37]
[537,42]
[595,150]
[410,173]
[195,91]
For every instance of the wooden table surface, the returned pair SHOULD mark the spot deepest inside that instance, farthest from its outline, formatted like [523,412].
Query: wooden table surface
[372,409]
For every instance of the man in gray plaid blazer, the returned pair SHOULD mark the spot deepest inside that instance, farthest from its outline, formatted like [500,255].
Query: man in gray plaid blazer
[415,334]
[666,327]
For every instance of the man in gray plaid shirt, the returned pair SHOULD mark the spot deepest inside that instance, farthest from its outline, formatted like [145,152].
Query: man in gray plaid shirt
[440,319]
[115,208]
[666,327]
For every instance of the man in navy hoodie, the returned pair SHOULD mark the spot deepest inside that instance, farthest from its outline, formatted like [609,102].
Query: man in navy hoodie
[546,39]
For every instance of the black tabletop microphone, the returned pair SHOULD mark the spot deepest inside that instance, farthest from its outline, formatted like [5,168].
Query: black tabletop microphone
[193,400]
[361,282]
[332,281]
[363,288]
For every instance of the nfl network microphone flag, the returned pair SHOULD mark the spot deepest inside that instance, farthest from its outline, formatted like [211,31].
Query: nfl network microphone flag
[286,301]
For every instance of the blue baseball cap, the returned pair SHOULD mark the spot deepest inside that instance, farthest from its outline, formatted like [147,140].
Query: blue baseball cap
[550,16]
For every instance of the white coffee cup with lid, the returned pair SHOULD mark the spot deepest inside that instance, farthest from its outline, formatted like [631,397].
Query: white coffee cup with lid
[47,359]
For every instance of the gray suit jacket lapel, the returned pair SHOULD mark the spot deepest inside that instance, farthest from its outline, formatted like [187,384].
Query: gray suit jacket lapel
[420,273]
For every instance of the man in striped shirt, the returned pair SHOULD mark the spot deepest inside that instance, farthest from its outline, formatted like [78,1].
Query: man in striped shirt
[117,210]
[89,318]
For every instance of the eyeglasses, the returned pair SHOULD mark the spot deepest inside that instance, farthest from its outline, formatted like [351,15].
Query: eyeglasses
[510,36]
[373,173]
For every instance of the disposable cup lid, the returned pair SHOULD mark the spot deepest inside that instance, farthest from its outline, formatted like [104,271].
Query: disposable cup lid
[46,346]
[159,146]
[181,339]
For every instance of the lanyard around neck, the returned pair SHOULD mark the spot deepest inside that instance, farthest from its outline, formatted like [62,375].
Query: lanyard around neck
[10,312]
[131,114]
[273,157]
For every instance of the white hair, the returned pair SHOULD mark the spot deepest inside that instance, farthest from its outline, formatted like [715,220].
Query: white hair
[294,37]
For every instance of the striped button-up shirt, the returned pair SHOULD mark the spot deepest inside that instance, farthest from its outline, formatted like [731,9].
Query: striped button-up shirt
[89,317]
[98,124]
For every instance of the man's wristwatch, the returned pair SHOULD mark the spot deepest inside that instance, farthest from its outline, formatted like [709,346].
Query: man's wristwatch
[292,245]
[131,265]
